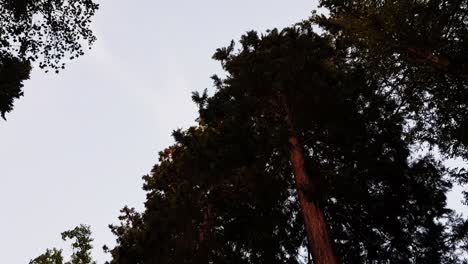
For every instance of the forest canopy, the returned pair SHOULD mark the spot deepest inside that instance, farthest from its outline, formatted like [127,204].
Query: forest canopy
[322,142]
[304,144]
[40,32]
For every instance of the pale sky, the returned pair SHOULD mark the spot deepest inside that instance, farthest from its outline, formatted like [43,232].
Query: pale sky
[76,146]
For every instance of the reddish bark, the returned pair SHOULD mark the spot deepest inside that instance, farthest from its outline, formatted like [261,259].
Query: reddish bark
[315,224]
[202,255]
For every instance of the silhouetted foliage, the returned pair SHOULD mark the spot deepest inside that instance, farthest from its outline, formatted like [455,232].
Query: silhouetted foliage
[225,191]
[12,74]
[81,246]
[45,31]
[360,148]
[211,200]
[51,256]
[417,52]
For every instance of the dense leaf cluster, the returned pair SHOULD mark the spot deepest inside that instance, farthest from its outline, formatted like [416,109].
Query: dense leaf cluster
[201,210]
[383,79]
[382,205]
[418,52]
[81,246]
[48,32]
[13,72]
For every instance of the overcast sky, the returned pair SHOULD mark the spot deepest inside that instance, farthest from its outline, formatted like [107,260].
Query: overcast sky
[76,146]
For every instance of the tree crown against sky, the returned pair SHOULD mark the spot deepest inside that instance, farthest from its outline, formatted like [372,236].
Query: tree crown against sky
[354,114]
[381,206]
[44,31]
[417,51]
[81,247]
[356,109]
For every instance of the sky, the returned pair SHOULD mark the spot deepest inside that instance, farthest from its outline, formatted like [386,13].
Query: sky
[74,149]
[76,145]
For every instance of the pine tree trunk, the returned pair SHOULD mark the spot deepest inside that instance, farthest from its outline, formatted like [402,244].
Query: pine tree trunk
[314,220]
[202,255]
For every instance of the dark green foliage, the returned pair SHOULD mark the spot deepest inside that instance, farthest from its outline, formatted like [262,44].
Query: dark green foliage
[230,178]
[384,77]
[81,245]
[212,199]
[418,52]
[44,31]
[377,201]
[51,256]
[12,74]
[81,236]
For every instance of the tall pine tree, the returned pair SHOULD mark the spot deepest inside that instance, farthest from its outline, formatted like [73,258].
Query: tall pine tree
[294,134]
[418,53]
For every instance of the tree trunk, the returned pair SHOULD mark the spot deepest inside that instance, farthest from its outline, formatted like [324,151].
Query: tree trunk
[202,255]
[314,220]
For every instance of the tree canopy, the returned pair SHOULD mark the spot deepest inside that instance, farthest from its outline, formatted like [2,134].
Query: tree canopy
[198,208]
[43,31]
[417,51]
[307,151]
[381,204]
[81,246]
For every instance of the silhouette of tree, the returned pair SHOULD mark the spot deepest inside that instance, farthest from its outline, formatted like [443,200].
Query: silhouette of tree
[81,246]
[45,31]
[51,256]
[418,53]
[296,75]
[211,200]
[293,128]
[12,74]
